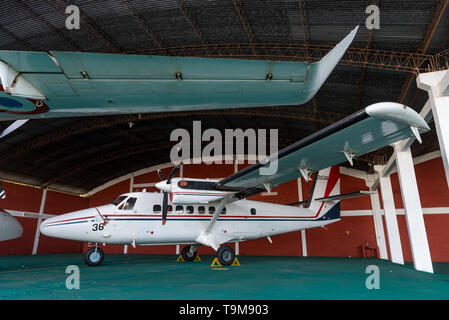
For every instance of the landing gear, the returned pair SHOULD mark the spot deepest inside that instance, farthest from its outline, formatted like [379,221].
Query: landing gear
[225,255]
[94,256]
[187,255]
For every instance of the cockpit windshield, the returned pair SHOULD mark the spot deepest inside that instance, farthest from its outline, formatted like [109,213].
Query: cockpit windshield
[118,200]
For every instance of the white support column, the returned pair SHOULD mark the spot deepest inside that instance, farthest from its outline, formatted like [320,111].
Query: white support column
[39,220]
[413,211]
[391,221]
[437,85]
[303,232]
[237,248]
[379,226]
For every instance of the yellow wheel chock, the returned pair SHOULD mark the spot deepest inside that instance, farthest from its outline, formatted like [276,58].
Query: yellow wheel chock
[216,263]
[181,259]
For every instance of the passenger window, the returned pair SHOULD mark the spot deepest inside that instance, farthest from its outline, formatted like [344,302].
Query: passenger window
[157,208]
[179,209]
[201,210]
[129,204]
[223,211]
[189,209]
[211,210]
[253,211]
[170,209]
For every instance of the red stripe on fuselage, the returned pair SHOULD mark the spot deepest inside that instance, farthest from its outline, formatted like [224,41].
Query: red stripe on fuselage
[71,219]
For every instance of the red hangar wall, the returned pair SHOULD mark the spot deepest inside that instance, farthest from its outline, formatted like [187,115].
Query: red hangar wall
[341,239]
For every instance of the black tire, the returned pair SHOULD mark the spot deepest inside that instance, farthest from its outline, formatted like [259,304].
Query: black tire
[226,255]
[186,255]
[93,259]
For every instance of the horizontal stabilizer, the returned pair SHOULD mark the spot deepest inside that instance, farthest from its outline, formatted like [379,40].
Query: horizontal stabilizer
[349,195]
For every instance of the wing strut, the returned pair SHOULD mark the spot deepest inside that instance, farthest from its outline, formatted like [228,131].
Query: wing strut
[214,239]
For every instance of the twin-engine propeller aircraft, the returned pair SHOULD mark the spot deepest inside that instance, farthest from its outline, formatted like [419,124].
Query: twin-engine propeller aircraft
[213,212]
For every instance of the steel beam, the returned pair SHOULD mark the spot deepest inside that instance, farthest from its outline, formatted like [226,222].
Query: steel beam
[408,62]
[143,23]
[246,26]
[192,22]
[298,114]
[115,155]
[50,26]
[427,37]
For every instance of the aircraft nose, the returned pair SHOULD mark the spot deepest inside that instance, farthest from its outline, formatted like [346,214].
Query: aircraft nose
[59,225]
[164,186]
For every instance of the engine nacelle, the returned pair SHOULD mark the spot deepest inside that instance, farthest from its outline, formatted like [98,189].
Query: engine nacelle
[191,191]
[196,196]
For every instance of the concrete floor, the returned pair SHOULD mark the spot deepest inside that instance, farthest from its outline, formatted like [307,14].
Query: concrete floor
[161,277]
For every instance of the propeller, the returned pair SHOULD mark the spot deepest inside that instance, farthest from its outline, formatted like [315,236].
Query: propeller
[165,199]
[2,193]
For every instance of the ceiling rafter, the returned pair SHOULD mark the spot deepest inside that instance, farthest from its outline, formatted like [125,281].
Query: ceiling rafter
[60,34]
[115,155]
[144,24]
[130,151]
[23,42]
[369,40]
[192,22]
[427,37]
[408,62]
[246,26]
[307,40]
[305,25]
[301,114]
[93,30]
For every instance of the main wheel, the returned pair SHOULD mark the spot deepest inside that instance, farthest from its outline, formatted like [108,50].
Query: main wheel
[187,255]
[94,257]
[226,255]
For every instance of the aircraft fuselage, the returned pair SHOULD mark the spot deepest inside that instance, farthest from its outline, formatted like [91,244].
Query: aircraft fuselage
[243,220]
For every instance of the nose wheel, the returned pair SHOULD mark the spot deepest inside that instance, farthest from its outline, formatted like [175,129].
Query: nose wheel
[187,255]
[94,257]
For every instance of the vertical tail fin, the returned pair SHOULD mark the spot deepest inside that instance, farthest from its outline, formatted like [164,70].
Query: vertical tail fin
[327,183]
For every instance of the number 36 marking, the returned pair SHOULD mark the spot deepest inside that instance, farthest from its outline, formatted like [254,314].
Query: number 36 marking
[97,226]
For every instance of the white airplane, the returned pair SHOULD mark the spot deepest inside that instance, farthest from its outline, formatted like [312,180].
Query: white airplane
[10,228]
[134,218]
[213,212]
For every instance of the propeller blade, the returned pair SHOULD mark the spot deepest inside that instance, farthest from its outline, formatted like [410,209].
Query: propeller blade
[2,192]
[160,174]
[14,126]
[172,174]
[164,208]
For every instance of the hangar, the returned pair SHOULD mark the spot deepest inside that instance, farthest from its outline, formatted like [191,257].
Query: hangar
[51,166]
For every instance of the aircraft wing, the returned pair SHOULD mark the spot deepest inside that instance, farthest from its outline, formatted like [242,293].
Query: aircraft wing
[374,127]
[63,84]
